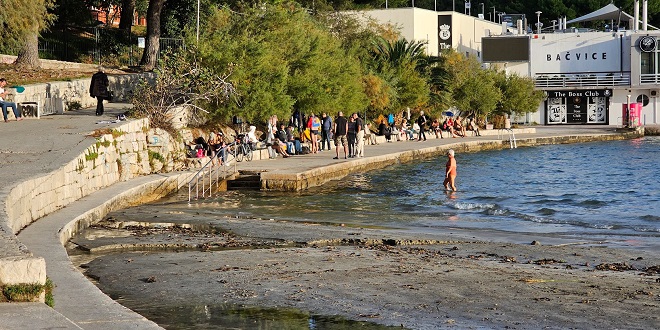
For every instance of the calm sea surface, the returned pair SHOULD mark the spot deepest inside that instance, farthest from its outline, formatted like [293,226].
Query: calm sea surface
[602,190]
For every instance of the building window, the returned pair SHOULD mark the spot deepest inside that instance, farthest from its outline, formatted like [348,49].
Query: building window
[648,63]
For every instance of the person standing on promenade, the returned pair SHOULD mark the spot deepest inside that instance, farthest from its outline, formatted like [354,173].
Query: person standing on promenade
[326,127]
[314,125]
[7,104]
[450,171]
[421,121]
[351,135]
[340,130]
[98,88]
[359,147]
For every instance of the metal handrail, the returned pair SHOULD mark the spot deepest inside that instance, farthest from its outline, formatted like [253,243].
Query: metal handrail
[586,79]
[208,171]
[512,136]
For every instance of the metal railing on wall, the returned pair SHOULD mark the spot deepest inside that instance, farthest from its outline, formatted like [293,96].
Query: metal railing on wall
[206,181]
[591,79]
[97,45]
[650,79]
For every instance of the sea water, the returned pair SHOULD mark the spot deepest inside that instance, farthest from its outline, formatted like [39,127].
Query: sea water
[596,191]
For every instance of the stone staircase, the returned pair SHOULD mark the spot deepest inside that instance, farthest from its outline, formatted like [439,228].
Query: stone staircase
[245,181]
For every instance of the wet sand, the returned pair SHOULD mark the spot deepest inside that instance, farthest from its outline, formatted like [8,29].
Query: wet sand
[386,276]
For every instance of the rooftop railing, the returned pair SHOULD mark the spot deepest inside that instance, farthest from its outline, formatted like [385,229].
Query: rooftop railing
[649,79]
[586,80]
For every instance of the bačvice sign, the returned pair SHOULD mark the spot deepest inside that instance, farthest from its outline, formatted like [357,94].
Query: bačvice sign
[574,52]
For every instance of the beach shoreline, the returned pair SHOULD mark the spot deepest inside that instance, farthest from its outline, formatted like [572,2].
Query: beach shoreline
[386,276]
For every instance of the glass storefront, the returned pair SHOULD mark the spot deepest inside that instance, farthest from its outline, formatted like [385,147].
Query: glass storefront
[577,107]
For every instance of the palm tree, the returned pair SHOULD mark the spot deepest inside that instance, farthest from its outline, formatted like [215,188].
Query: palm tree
[402,64]
[398,54]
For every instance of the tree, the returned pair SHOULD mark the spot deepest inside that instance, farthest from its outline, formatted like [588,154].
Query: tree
[518,94]
[22,21]
[181,81]
[127,16]
[460,82]
[152,42]
[282,59]
[71,13]
[477,96]
[402,64]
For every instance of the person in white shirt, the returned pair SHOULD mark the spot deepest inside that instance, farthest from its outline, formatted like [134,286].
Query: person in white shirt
[7,104]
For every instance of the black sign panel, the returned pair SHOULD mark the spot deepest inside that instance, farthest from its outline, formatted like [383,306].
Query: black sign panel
[444,32]
[584,93]
[576,110]
[505,49]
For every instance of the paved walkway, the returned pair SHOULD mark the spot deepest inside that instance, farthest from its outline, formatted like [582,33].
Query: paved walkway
[32,148]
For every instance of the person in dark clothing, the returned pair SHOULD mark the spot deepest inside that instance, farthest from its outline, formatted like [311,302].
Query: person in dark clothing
[384,130]
[292,139]
[421,121]
[340,131]
[351,136]
[282,136]
[297,120]
[326,127]
[98,88]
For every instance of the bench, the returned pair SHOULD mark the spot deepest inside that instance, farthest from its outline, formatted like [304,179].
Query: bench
[26,108]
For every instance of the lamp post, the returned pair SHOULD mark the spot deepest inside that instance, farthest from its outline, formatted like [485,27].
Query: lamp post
[493,13]
[198,21]
[482,9]
[538,22]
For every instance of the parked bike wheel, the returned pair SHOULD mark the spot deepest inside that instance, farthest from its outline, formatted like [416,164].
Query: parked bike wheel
[249,153]
[239,153]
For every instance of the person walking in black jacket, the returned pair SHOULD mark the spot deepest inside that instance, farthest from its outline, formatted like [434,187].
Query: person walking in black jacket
[98,88]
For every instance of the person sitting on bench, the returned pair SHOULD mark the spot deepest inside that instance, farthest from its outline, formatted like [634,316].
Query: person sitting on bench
[7,104]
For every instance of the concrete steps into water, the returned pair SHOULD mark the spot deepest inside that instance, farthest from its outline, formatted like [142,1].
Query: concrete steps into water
[245,181]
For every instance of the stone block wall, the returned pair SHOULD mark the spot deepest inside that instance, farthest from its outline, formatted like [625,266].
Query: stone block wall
[117,155]
[120,154]
[76,92]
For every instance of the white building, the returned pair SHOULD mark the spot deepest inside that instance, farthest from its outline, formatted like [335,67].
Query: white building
[439,29]
[588,76]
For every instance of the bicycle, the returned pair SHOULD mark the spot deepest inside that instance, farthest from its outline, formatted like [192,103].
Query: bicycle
[243,148]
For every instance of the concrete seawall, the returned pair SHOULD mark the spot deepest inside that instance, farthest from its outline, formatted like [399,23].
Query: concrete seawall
[286,180]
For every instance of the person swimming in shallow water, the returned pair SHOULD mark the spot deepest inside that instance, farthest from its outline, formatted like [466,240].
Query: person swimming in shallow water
[450,172]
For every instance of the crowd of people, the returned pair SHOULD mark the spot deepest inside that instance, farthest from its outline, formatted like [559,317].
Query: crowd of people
[348,134]
[422,126]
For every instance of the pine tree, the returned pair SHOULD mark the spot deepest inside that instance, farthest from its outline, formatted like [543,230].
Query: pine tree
[22,21]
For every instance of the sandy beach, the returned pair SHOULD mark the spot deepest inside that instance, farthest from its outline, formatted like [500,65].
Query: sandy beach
[391,277]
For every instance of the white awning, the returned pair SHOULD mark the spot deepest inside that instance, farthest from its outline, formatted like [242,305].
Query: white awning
[607,13]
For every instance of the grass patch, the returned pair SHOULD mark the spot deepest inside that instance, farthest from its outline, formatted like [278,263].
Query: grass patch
[91,155]
[104,143]
[156,156]
[28,292]
[27,77]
